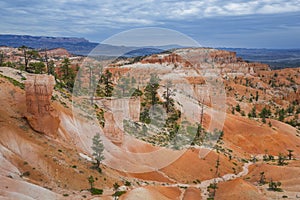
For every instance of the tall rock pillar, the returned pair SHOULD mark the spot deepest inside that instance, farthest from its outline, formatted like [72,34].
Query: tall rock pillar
[41,116]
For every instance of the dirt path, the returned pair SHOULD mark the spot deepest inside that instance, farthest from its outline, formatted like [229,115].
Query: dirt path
[202,186]
[227,177]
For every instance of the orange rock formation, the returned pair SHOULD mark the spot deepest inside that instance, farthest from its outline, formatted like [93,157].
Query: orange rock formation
[40,114]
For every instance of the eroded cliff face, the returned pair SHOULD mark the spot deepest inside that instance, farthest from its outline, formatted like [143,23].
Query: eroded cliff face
[41,116]
[166,58]
[118,110]
[220,61]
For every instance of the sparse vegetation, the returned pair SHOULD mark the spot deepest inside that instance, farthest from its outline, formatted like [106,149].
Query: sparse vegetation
[96,191]
[275,186]
[281,159]
[290,155]
[252,114]
[13,81]
[98,149]
[27,173]
[28,55]
[262,179]
[117,194]
[127,183]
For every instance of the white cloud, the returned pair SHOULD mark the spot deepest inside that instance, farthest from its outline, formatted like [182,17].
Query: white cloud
[81,16]
[151,11]
[282,7]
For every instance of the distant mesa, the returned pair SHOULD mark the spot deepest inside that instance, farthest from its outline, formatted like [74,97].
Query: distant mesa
[78,46]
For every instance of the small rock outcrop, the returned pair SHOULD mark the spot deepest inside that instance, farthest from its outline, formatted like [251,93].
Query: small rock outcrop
[41,116]
[166,58]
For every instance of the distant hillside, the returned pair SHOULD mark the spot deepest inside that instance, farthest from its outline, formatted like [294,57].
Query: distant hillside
[78,46]
[276,58]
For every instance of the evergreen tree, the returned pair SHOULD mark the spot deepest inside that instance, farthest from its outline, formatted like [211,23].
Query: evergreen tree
[265,113]
[123,87]
[281,114]
[98,149]
[238,108]
[1,58]
[256,97]
[290,155]
[65,68]
[126,88]
[290,109]
[274,186]
[50,68]
[252,113]
[105,87]
[145,116]
[281,159]
[91,182]
[38,67]
[262,179]
[28,55]
[167,95]
[151,89]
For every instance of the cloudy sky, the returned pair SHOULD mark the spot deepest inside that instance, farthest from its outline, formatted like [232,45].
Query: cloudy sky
[216,23]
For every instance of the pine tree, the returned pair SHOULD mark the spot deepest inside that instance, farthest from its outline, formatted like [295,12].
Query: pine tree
[281,159]
[167,95]
[105,87]
[1,58]
[98,149]
[252,113]
[91,181]
[28,55]
[256,97]
[65,68]
[274,186]
[281,114]
[238,108]
[50,68]
[290,155]
[151,89]
[262,179]
[123,87]
[38,67]
[265,113]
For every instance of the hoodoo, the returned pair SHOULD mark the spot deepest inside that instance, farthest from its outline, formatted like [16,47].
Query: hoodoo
[41,116]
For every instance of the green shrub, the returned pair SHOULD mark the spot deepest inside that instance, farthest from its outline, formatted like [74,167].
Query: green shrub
[127,183]
[118,193]
[13,81]
[96,191]
[275,186]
